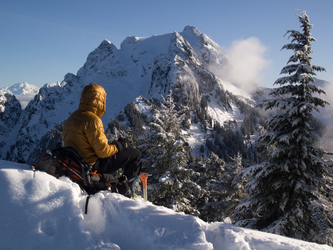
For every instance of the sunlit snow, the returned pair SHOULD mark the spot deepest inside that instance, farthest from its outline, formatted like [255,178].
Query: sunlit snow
[39,211]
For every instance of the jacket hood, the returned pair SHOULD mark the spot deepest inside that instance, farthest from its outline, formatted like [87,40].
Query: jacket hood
[93,98]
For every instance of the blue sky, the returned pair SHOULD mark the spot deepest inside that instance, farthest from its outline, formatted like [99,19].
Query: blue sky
[42,40]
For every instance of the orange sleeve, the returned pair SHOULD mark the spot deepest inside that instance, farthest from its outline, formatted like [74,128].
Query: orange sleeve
[98,141]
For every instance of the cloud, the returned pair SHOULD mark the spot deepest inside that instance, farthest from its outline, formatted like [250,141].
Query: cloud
[247,62]
[326,116]
[328,88]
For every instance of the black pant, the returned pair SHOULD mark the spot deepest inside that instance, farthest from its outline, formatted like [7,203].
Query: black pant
[129,159]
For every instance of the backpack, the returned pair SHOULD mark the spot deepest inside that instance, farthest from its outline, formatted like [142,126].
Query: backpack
[66,161]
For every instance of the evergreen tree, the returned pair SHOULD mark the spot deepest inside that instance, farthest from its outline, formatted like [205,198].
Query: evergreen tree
[167,157]
[234,183]
[220,191]
[282,189]
[210,198]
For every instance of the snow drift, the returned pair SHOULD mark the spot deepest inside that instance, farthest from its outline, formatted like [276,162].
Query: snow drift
[39,211]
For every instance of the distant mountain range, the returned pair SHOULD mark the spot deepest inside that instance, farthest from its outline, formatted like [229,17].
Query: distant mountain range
[24,92]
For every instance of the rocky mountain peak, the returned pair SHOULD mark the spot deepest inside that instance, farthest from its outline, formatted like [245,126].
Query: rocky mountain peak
[129,40]
[192,30]
[143,66]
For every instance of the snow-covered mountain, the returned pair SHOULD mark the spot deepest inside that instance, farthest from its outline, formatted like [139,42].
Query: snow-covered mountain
[23,89]
[23,92]
[188,62]
[147,67]
[39,211]
[191,65]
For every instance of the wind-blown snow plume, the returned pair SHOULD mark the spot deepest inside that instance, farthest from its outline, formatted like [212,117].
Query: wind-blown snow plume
[247,62]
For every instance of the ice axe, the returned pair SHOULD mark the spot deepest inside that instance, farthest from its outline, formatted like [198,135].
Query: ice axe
[144,180]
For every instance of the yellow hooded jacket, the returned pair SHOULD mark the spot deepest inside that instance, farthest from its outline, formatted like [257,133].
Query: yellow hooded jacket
[84,130]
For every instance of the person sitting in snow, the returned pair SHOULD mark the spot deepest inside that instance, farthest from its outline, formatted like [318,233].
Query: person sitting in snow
[84,131]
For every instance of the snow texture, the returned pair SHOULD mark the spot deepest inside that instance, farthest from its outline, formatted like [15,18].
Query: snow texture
[39,211]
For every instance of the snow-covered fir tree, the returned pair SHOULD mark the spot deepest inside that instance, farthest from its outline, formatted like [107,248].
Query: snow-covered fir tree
[234,183]
[219,191]
[167,157]
[210,197]
[282,189]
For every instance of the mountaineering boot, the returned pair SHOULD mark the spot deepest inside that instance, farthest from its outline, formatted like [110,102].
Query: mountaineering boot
[123,187]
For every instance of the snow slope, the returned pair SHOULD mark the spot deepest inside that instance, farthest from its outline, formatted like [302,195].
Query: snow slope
[39,211]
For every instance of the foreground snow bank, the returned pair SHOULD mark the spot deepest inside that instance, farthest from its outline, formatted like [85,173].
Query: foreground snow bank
[39,211]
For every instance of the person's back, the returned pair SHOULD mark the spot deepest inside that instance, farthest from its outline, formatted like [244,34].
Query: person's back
[84,131]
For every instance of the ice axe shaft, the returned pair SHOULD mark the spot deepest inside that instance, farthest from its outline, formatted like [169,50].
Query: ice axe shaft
[144,179]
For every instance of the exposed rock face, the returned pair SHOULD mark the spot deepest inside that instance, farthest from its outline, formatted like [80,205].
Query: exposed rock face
[147,67]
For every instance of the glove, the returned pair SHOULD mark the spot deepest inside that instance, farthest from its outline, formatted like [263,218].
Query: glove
[124,142]
[118,145]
